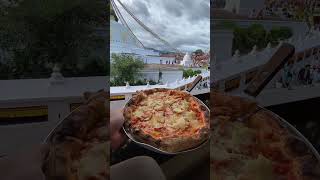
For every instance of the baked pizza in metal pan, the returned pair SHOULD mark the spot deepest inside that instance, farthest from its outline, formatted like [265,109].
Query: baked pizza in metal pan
[169,120]
[262,147]
[78,148]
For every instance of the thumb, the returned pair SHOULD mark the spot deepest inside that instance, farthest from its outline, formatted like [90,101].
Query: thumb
[117,139]
[116,121]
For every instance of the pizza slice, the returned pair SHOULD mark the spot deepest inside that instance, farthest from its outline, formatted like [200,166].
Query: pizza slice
[79,146]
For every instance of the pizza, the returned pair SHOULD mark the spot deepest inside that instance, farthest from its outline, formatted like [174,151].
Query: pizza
[258,148]
[169,120]
[78,149]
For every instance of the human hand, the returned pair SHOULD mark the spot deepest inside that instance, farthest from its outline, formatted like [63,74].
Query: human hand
[116,134]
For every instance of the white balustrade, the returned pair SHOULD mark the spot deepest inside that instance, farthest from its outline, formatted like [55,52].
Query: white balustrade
[148,85]
[254,50]
[127,85]
[236,56]
[178,83]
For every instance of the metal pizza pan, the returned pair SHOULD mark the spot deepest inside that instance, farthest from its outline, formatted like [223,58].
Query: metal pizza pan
[60,124]
[293,131]
[157,150]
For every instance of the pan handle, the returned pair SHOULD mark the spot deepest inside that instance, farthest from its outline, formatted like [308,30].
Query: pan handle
[270,69]
[194,83]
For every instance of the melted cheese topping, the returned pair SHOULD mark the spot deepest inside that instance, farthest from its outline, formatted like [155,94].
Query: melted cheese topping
[259,169]
[240,151]
[93,163]
[160,114]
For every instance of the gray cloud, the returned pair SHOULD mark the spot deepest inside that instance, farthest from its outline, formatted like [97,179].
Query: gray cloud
[141,8]
[202,10]
[183,23]
[173,7]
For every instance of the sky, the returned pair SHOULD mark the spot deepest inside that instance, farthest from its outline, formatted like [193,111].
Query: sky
[185,24]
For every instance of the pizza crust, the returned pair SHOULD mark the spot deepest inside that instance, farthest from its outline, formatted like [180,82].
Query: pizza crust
[171,143]
[260,139]
[78,143]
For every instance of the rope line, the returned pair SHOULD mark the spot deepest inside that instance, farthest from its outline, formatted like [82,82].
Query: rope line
[147,28]
[118,13]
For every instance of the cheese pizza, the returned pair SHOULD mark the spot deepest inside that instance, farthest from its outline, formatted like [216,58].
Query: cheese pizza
[78,149]
[170,120]
[258,148]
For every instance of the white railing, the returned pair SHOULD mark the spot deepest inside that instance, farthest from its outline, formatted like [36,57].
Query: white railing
[179,83]
[238,64]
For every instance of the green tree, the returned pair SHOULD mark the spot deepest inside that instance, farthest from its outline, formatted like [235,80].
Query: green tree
[198,52]
[190,72]
[279,33]
[140,82]
[257,35]
[125,68]
[240,40]
[37,33]
[245,38]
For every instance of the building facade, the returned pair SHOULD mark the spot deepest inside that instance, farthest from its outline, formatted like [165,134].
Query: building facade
[244,7]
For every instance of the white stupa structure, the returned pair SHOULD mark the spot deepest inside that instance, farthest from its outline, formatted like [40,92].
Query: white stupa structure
[187,60]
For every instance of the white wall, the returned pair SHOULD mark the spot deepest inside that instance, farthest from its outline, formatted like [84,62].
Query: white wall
[28,135]
[156,59]
[170,59]
[222,44]
[232,5]
[246,6]
[167,76]
[151,59]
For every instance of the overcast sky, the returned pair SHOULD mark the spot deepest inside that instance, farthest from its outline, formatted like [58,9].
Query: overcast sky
[185,24]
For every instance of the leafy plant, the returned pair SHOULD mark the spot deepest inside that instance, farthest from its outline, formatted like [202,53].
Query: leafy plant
[246,38]
[198,52]
[37,33]
[140,82]
[190,72]
[125,68]
[279,33]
